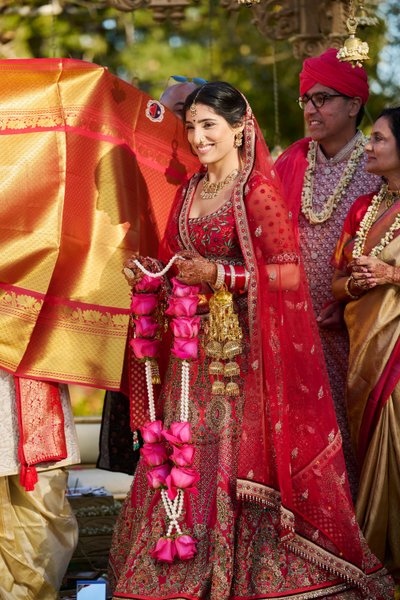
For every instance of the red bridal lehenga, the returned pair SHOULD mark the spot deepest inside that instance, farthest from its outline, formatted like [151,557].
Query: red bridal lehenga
[273,516]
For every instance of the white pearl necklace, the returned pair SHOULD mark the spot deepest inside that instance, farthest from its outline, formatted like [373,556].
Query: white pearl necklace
[333,200]
[160,273]
[366,224]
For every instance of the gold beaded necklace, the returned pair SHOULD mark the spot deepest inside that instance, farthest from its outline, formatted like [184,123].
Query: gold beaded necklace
[333,200]
[211,190]
[367,222]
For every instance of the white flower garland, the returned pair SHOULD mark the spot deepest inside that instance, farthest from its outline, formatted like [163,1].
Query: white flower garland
[366,224]
[333,200]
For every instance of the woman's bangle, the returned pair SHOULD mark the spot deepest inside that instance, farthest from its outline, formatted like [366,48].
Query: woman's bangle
[236,278]
[220,280]
[347,288]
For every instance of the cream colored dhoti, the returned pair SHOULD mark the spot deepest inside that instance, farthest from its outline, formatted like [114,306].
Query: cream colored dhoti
[38,534]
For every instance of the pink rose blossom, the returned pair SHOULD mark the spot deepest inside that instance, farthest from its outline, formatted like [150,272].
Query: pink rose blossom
[182,456]
[185,547]
[154,455]
[182,307]
[185,349]
[185,327]
[144,348]
[148,284]
[151,432]
[181,478]
[146,326]
[180,432]
[157,476]
[165,550]
[181,290]
[143,304]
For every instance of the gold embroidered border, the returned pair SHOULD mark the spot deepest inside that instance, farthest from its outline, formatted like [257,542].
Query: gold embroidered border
[75,318]
[252,491]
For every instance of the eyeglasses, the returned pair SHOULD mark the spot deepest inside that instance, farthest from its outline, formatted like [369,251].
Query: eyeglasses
[183,79]
[318,99]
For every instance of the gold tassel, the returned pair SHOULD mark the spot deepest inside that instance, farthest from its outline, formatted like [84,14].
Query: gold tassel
[224,341]
[155,373]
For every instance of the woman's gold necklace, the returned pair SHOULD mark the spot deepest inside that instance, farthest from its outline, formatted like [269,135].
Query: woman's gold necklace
[367,222]
[333,200]
[211,190]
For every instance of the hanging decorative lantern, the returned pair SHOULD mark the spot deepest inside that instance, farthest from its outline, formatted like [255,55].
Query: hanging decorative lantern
[354,50]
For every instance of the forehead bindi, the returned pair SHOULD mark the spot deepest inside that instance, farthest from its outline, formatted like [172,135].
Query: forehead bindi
[203,113]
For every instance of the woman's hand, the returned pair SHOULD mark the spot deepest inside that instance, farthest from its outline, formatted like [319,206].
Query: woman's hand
[195,269]
[369,271]
[331,316]
[131,272]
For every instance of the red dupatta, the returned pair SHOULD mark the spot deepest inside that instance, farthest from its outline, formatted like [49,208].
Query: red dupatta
[291,453]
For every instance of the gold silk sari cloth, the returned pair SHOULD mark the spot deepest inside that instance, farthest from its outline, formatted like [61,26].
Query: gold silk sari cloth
[373,403]
[89,168]
[373,389]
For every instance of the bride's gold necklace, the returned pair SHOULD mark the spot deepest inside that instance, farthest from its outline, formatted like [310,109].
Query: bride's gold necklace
[369,219]
[210,189]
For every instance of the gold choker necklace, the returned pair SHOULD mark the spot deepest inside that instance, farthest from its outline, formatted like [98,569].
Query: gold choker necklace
[211,190]
[391,197]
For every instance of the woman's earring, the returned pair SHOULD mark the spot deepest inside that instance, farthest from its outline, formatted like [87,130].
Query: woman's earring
[238,140]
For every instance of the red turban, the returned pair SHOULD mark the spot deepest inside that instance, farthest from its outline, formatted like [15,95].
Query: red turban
[328,70]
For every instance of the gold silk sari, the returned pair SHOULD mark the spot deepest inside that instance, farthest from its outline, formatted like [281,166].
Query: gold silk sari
[373,389]
[89,168]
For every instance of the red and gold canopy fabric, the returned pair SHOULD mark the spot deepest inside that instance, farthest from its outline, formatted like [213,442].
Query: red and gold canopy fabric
[89,168]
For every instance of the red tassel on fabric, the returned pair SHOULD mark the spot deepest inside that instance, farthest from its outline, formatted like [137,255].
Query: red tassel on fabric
[28,477]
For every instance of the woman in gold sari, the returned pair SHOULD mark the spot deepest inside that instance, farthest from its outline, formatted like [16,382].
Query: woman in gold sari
[367,277]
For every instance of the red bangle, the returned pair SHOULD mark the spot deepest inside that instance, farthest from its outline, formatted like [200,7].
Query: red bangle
[227,277]
[235,277]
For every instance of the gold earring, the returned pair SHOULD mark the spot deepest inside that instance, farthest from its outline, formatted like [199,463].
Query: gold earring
[238,140]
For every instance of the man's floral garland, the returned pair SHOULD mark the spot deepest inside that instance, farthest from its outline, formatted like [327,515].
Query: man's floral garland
[333,200]
[366,224]
[169,453]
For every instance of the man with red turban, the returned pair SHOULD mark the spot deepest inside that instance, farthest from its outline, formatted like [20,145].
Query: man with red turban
[322,176]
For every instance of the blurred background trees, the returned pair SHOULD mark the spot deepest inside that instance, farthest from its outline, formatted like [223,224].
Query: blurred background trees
[211,42]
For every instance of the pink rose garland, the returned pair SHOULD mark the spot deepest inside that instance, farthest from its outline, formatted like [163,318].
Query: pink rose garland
[169,453]
[145,344]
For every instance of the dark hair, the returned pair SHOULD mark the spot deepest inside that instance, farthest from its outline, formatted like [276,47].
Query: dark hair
[393,117]
[222,97]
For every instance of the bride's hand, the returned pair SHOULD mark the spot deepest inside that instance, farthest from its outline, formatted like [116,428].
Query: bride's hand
[131,271]
[195,269]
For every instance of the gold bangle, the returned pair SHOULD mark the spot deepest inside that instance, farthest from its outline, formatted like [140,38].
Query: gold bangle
[220,280]
[347,288]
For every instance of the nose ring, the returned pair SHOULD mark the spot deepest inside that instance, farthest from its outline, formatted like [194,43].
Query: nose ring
[202,139]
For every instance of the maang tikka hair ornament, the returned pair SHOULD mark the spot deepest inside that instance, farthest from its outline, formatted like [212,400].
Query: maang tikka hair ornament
[193,107]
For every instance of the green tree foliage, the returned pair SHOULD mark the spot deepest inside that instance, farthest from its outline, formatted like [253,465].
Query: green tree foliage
[210,43]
